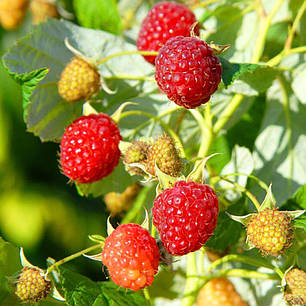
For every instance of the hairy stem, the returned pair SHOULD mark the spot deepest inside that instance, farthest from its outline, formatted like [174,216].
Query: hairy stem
[73,256]
[296,21]
[191,282]
[106,58]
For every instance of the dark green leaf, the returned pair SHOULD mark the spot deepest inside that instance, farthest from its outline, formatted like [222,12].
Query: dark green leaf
[9,267]
[117,296]
[97,14]
[297,202]
[117,181]
[228,231]
[231,71]
[80,290]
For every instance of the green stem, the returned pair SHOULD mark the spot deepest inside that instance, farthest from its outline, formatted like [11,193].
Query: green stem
[146,294]
[206,132]
[73,256]
[277,59]
[162,123]
[129,77]
[260,183]
[286,108]
[243,189]
[145,53]
[263,30]
[247,274]
[191,282]
[201,259]
[239,258]
[227,113]
[296,21]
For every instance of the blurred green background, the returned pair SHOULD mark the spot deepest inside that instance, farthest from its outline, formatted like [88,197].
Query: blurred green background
[39,210]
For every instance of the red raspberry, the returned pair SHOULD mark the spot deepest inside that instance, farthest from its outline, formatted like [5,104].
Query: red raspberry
[89,148]
[187,71]
[164,20]
[185,216]
[131,256]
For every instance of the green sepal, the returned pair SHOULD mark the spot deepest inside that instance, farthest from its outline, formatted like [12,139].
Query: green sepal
[242,219]
[269,201]
[96,238]
[88,109]
[165,181]
[197,173]
[118,112]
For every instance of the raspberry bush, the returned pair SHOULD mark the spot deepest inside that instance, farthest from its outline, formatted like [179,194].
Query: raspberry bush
[112,170]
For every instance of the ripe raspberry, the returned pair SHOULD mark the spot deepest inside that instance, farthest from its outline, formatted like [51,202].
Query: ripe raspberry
[295,291]
[116,203]
[165,155]
[12,13]
[219,292]
[131,256]
[32,286]
[164,20]
[89,148]
[185,216]
[43,9]
[187,71]
[270,231]
[79,80]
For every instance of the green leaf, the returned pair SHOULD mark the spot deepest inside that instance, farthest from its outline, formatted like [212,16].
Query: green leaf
[117,181]
[254,82]
[28,61]
[117,296]
[9,267]
[279,148]
[222,238]
[97,14]
[231,71]
[299,81]
[81,291]
[78,290]
[297,202]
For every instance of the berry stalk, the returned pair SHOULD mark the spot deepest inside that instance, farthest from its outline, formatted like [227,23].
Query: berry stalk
[73,256]
[246,260]
[103,60]
[243,189]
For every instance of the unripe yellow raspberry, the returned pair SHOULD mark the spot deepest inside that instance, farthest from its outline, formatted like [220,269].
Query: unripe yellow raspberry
[43,9]
[270,231]
[12,13]
[219,292]
[32,286]
[117,203]
[79,80]
[295,291]
[164,153]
